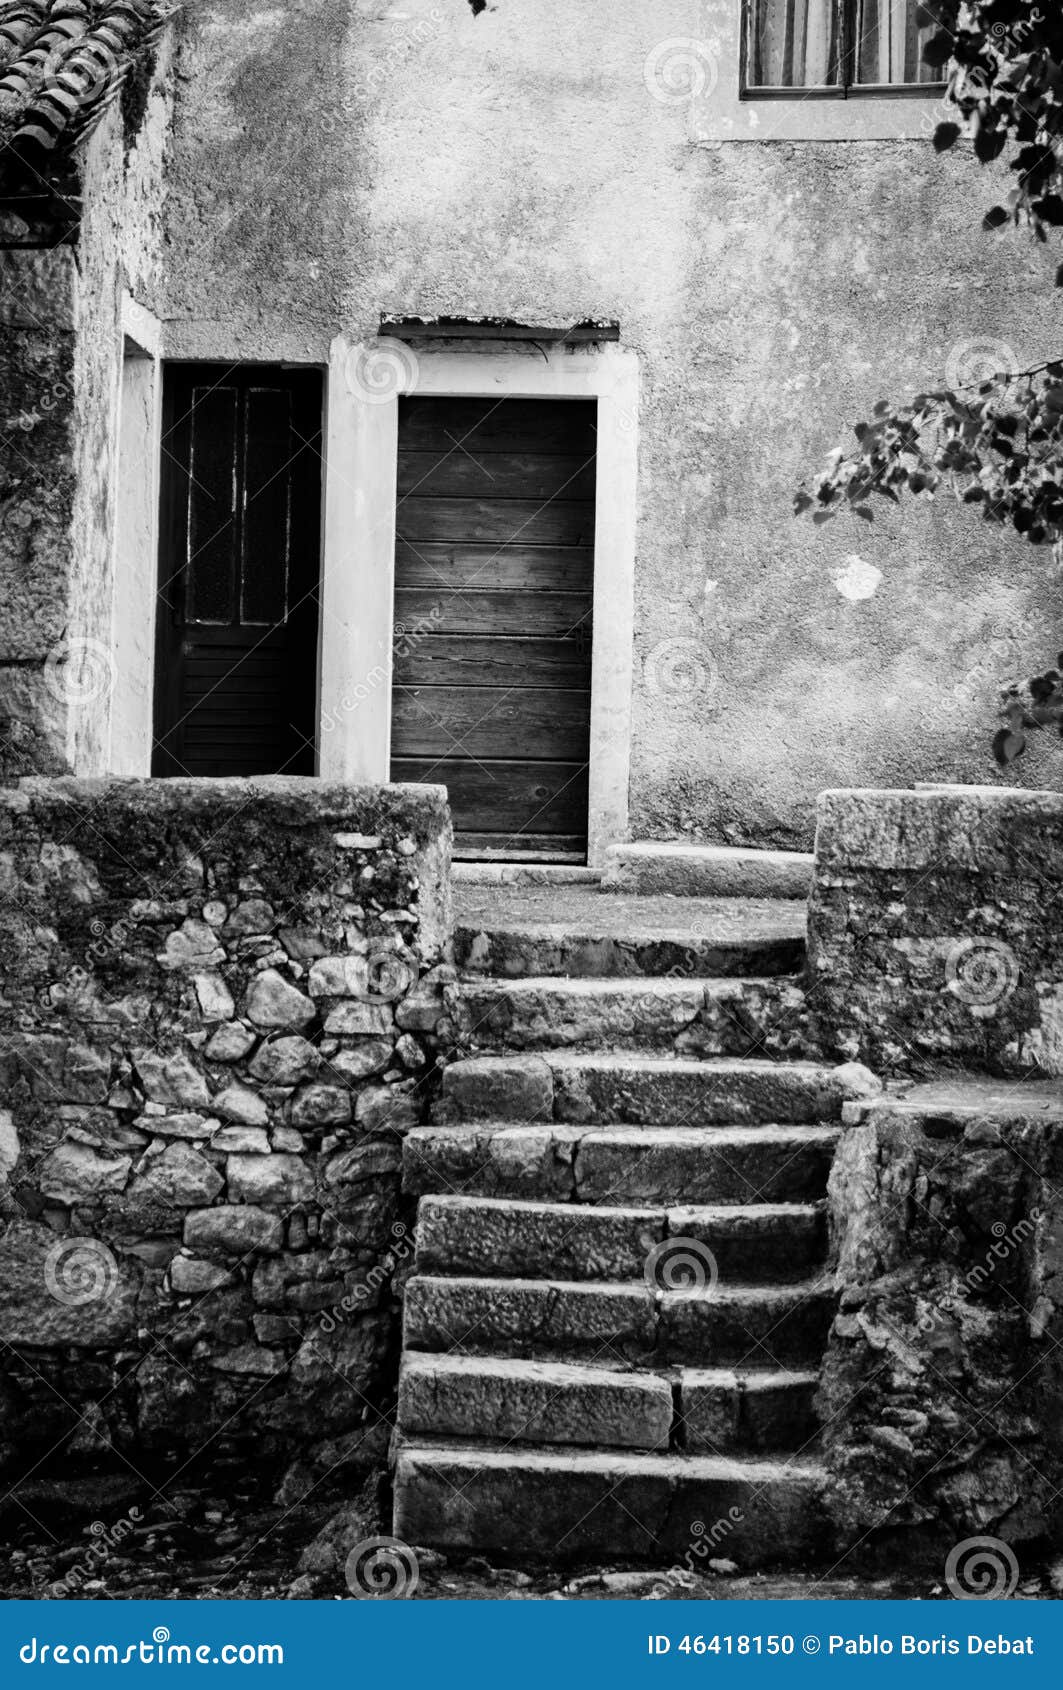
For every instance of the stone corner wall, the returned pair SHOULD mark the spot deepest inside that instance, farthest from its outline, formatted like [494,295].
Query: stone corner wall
[942,1391]
[218,1014]
[936,929]
[37,491]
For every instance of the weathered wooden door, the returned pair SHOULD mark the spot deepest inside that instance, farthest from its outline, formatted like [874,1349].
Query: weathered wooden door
[236,649]
[493,607]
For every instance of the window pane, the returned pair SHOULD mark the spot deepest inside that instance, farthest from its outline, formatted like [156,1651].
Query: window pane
[795,44]
[889,44]
[212,505]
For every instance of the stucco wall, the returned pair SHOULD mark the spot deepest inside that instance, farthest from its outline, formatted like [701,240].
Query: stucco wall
[335,161]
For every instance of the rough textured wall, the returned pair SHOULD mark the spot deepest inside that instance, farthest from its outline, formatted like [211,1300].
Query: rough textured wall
[942,1390]
[219,1002]
[37,490]
[935,932]
[61,349]
[336,161]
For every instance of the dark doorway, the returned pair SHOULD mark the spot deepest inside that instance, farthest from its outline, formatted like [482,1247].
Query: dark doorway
[493,614]
[240,564]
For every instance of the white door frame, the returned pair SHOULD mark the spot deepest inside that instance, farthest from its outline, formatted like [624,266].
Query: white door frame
[358,572]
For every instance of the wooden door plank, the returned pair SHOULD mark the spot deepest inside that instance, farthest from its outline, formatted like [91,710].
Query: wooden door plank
[567,427]
[505,615]
[555,522]
[506,797]
[489,722]
[568,569]
[454,473]
[482,660]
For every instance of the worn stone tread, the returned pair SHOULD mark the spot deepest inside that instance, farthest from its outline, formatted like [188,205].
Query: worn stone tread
[643,1087]
[566,1504]
[620,1321]
[502,1236]
[631,1166]
[760,1409]
[686,870]
[579,930]
[552,1402]
[460,1234]
[736,1016]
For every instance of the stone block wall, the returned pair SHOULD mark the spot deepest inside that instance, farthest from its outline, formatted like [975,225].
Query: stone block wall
[942,1391]
[218,1007]
[936,930]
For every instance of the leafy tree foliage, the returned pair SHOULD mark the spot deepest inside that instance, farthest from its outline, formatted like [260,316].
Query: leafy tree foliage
[999,444]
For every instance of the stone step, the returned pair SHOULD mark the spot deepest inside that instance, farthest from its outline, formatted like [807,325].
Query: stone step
[504,1237]
[520,931]
[642,1087]
[652,867]
[622,1165]
[533,1402]
[729,1017]
[568,1505]
[710,1411]
[757,1410]
[622,1323]
[470,873]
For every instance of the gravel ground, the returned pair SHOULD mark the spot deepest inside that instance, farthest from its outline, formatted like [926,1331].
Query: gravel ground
[245,1535]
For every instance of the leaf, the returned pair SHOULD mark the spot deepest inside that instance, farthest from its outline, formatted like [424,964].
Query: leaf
[1008,746]
[865,511]
[995,218]
[945,136]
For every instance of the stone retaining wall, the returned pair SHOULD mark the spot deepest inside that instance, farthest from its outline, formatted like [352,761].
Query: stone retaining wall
[219,1002]
[942,1390]
[936,930]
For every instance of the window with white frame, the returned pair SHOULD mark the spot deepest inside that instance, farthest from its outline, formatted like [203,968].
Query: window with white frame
[835,47]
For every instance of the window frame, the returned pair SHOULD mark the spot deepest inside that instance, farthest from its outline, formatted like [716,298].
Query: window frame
[748,90]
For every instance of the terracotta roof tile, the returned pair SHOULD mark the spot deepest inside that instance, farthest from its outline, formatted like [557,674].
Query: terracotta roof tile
[62,63]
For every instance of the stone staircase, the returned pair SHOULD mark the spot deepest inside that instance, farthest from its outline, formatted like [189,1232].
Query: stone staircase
[618,1307]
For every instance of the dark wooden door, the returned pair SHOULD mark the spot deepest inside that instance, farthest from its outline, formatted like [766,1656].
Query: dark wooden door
[236,652]
[493,603]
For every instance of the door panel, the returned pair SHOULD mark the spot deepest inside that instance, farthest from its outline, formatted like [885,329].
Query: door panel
[493,616]
[236,647]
